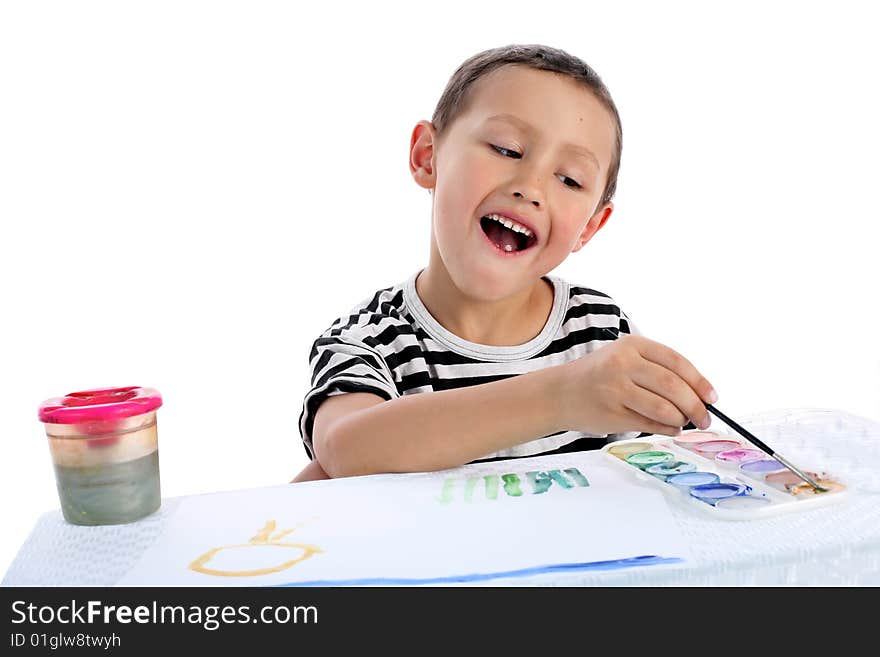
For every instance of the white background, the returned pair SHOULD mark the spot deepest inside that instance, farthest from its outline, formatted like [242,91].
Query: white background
[185,186]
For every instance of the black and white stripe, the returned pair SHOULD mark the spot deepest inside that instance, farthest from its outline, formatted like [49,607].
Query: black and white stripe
[391,346]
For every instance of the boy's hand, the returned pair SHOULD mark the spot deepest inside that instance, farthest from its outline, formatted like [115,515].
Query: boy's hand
[634,384]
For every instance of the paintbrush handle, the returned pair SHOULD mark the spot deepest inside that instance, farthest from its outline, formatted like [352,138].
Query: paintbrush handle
[740,430]
[751,438]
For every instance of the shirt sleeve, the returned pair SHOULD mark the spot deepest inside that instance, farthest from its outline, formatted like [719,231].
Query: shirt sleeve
[627,325]
[342,364]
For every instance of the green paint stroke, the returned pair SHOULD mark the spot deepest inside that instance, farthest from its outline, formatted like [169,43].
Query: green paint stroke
[511,485]
[541,481]
[469,489]
[446,493]
[491,486]
[575,474]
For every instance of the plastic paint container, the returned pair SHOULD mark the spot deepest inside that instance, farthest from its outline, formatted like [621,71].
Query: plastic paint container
[785,479]
[761,468]
[664,470]
[738,502]
[688,480]
[105,450]
[712,493]
[625,449]
[733,458]
[644,459]
[718,487]
[710,448]
[688,438]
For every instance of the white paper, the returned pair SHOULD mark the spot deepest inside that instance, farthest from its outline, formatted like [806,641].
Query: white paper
[427,528]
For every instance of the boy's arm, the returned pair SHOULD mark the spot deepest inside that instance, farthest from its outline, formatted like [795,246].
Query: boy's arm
[630,384]
[361,433]
[312,472]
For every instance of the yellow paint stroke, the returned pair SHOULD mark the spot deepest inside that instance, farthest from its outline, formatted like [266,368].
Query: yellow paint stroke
[262,537]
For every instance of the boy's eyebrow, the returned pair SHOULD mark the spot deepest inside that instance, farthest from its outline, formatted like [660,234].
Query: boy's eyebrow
[528,127]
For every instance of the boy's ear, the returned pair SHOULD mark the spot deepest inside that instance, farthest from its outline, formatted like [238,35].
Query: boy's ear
[593,225]
[421,155]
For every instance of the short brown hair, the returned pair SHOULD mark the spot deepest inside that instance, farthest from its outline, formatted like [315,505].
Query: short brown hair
[455,96]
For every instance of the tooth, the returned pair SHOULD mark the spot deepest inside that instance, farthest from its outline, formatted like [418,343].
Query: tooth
[508,247]
[509,223]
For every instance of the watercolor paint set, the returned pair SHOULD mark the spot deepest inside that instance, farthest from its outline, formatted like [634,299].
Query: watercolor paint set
[722,474]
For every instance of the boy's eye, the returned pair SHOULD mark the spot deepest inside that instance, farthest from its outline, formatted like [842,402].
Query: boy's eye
[506,150]
[515,155]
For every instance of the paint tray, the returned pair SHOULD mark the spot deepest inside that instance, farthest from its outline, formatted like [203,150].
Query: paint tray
[721,474]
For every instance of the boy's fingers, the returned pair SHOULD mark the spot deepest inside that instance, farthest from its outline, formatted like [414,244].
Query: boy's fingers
[670,386]
[654,407]
[672,360]
[647,425]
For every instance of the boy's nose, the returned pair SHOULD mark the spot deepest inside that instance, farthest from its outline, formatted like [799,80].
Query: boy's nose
[537,204]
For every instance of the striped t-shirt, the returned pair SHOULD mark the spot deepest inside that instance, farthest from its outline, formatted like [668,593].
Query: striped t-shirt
[390,345]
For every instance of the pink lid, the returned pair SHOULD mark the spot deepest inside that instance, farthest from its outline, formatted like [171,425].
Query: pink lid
[99,405]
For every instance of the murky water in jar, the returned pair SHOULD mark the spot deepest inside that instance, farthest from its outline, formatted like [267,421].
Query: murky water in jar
[109,493]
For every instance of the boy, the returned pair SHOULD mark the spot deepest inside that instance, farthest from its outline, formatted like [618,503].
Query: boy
[521,161]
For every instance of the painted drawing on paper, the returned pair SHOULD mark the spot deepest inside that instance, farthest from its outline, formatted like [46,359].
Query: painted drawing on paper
[264,542]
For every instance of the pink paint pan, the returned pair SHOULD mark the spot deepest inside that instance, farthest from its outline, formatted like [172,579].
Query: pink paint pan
[710,448]
[733,458]
[688,438]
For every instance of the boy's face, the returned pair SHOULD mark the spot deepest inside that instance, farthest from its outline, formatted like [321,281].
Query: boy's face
[559,142]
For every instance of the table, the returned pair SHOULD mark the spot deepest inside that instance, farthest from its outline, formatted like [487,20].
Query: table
[834,545]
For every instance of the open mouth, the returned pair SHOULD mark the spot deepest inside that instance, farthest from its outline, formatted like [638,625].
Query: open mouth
[506,235]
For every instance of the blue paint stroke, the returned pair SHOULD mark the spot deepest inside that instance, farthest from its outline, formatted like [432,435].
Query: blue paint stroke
[613,564]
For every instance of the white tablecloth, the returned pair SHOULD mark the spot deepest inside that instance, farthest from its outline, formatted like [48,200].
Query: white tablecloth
[834,545]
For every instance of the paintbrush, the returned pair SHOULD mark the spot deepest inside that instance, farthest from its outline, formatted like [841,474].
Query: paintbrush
[760,445]
[751,438]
